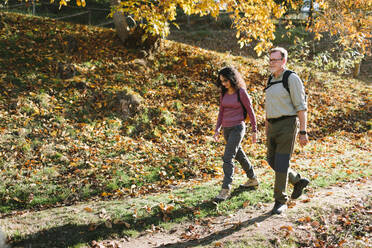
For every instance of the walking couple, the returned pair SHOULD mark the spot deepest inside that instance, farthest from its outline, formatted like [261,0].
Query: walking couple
[285,105]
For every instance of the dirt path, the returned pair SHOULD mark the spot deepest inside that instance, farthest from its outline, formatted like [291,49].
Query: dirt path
[250,222]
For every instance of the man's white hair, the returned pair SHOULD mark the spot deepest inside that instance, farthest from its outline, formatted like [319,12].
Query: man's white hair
[282,51]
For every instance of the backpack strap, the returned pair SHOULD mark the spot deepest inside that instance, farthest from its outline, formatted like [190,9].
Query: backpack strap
[269,82]
[284,80]
[244,110]
[286,75]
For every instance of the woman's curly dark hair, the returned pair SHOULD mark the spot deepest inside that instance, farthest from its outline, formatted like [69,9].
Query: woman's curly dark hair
[231,74]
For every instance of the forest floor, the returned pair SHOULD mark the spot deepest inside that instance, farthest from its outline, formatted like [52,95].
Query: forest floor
[77,171]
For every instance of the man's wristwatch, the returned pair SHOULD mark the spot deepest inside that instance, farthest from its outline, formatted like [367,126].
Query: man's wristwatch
[303,132]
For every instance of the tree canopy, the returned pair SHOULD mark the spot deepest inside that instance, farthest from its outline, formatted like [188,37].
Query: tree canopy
[254,20]
[350,20]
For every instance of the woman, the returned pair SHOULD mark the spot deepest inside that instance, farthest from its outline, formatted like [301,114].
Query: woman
[231,118]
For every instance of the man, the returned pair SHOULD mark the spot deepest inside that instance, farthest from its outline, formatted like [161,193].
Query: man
[283,105]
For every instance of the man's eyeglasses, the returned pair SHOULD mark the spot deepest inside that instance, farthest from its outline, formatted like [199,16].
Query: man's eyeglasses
[275,60]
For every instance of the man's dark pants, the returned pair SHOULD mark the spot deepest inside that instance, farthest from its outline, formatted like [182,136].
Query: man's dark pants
[280,142]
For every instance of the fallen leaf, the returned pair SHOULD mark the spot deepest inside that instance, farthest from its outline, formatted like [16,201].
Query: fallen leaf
[88,209]
[341,242]
[196,212]
[306,219]
[289,228]
[218,244]
[315,224]
[291,204]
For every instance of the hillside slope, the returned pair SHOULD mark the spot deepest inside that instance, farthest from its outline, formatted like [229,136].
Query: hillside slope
[65,140]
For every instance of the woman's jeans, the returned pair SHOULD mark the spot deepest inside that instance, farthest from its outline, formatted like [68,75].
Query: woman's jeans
[233,149]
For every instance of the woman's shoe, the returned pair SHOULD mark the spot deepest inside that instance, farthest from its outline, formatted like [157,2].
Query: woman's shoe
[252,182]
[223,195]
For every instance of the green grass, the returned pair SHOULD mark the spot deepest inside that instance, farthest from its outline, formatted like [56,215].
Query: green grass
[165,210]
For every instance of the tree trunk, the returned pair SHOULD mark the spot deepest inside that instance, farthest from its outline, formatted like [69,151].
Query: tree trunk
[133,37]
[356,71]
[120,22]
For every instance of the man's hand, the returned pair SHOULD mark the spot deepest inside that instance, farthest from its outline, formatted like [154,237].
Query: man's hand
[303,139]
[215,136]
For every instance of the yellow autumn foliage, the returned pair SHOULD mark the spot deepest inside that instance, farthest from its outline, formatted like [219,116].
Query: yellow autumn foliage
[254,20]
[350,20]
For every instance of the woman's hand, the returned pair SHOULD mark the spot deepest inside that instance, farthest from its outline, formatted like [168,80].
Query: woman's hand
[254,137]
[215,136]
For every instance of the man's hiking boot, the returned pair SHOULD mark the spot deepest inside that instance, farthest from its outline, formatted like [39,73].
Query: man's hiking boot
[223,195]
[252,182]
[299,187]
[279,208]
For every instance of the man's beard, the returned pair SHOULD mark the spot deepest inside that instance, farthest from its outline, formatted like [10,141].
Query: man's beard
[272,70]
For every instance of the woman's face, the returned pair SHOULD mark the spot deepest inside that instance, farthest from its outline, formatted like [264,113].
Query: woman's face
[225,82]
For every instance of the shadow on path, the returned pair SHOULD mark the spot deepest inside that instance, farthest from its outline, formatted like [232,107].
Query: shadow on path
[73,234]
[218,235]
